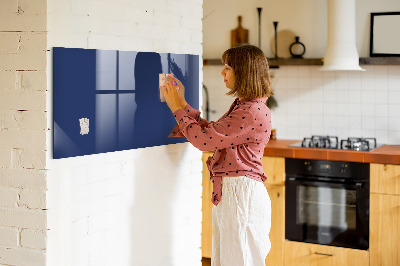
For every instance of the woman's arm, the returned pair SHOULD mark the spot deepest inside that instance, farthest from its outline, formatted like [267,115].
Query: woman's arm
[173,91]
[193,113]
[239,127]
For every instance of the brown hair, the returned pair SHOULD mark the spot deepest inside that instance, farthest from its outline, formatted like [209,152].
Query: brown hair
[250,66]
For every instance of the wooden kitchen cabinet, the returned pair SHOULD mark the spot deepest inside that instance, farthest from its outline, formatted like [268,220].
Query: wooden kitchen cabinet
[206,225]
[274,168]
[385,178]
[384,236]
[277,233]
[305,254]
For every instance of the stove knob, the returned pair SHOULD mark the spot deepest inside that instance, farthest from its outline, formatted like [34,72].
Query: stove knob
[308,166]
[343,168]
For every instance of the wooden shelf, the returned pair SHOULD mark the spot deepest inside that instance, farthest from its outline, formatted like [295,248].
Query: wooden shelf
[380,61]
[273,63]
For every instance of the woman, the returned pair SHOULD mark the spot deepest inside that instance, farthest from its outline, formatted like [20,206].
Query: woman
[242,208]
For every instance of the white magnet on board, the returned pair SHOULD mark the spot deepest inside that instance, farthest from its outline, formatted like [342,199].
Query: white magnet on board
[84,124]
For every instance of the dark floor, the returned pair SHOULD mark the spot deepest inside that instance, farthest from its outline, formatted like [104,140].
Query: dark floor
[206,261]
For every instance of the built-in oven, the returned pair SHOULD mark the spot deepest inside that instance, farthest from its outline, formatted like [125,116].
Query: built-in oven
[327,202]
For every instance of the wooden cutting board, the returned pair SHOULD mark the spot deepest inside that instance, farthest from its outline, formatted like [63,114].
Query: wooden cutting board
[239,35]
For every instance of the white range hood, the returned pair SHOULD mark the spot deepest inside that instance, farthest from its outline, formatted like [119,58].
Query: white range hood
[341,51]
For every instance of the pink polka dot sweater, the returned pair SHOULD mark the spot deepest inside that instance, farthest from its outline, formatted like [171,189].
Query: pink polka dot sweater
[238,139]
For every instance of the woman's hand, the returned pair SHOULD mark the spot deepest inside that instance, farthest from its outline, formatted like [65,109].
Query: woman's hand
[172,92]
[181,90]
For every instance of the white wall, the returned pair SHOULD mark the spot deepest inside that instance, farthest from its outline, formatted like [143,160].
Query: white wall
[23,132]
[135,207]
[311,102]
[304,18]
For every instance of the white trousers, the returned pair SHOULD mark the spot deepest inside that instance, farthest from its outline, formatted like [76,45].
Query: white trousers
[241,223]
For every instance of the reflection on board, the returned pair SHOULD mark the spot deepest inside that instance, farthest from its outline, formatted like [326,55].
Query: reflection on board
[118,92]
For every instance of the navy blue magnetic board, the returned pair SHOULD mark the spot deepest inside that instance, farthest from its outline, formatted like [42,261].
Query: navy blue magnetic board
[109,100]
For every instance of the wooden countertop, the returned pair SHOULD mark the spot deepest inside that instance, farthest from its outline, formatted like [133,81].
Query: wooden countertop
[389,154]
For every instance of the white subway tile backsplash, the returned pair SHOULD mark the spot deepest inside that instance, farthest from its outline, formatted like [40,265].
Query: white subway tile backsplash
[342,109]
[329,123]
[355,96]
[342,81]
[351,102]
[394,137]
[394,123]
[329,94]
[317,131]
[304,82]
[291,71]
[316,72]
[278,72]
[367,133]
[292,105]
[329,109]
[305,95]
[381,122]
[394,83]
[381,110]
[367,96]
[380,71]
[368,111]
[291,133]
[282,132]
[354,80]
[381,136]
[293,120]
[278,84]
[331,131]
[304,108]
[355,132]
[328,74]
[304,131]
[316,83]
[342,122]
[380,84]
[369,71]
[394,110]
[368,123]
[394,97]
[393,71]
[304,72]
[342,133]
[342,96]
[317,120]
[292,82]
[381,97]
[354,122]
[317,95]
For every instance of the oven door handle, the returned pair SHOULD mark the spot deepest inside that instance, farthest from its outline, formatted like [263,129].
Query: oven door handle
[357,185]
[324,254]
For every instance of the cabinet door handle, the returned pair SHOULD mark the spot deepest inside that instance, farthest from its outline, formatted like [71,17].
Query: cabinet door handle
[325,254]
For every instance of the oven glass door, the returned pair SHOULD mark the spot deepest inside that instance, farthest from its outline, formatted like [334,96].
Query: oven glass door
[326,207]
[326,213]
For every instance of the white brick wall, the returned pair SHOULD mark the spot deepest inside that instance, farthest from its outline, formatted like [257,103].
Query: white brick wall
[34,239]
[135,207]
[100,206]
[23,218]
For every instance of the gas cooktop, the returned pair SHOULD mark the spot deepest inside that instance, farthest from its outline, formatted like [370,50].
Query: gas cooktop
[332,142]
